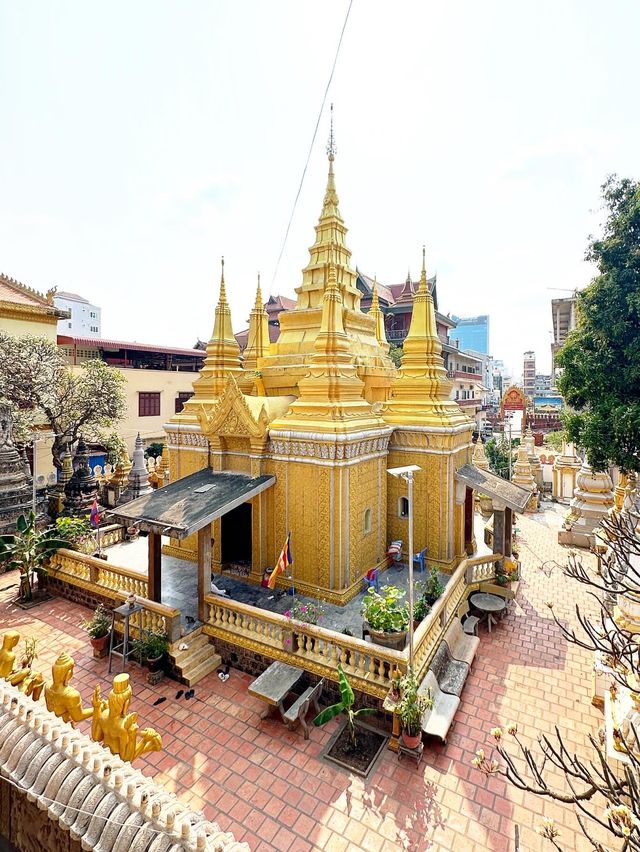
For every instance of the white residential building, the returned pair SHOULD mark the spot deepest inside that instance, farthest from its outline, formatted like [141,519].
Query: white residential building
[85,318]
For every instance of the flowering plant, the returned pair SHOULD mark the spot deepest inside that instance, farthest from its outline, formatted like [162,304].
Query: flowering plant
[309,613]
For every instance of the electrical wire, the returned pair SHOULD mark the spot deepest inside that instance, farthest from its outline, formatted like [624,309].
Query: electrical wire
[313,139]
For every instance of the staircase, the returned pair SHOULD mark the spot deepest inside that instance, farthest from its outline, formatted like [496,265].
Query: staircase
[199,659]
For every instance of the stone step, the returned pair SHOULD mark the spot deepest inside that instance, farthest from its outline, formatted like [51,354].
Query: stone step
[198,656]
[205,668]
[181,657]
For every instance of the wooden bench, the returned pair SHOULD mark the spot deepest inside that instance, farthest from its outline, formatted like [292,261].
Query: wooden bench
[300,707]
[450,674]
[439,718]
[469,622]
[461,646]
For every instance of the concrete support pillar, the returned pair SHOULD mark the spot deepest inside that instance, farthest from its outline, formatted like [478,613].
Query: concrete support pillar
[154,577]
[204,568]
[499,525]
[508,531]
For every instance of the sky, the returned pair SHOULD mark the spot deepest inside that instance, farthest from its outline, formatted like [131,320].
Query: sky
[142,141]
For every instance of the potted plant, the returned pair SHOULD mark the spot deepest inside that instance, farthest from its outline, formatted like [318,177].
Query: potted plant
[28,551]
[345,705]
[77,533]
[411,708]
[387,616]
[30,652]
[432,588]
[98,627]
[150,648]
[421,610]
[307,613]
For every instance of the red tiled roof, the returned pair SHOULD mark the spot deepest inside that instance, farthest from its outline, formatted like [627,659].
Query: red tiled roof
[115,345]
[279,303]
[383,291]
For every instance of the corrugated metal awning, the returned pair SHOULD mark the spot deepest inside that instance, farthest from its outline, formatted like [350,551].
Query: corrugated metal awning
[499,489]
[187,505]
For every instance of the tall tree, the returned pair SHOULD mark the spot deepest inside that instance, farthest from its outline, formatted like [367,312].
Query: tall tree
[601,358]
[34,376]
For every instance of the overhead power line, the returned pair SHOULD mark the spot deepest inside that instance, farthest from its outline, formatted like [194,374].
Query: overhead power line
[313,139]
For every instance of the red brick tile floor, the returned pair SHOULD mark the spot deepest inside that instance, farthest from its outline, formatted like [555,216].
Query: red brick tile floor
[271,789]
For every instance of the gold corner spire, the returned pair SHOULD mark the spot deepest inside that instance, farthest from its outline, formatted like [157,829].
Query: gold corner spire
[223,352]
[258,338]
[376,313]
[420,392]
[423,274]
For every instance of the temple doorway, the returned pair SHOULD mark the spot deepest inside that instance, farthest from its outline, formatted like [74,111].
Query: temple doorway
[235,545]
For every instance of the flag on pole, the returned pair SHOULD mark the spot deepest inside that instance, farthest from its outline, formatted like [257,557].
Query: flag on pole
[95,517]
[284,560]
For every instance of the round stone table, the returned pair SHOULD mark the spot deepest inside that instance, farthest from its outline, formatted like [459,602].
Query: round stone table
[491,604]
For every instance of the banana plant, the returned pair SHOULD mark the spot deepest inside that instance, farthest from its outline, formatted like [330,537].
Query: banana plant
[344,706]
[28,551]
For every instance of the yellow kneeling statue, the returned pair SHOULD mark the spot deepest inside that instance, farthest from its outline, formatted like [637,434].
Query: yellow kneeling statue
[116,728]
[64,700]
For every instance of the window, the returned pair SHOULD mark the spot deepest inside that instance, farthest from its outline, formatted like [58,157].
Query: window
[367,521]
[148,404]
[182,397]
[69,324]
[92,314]
[403,507]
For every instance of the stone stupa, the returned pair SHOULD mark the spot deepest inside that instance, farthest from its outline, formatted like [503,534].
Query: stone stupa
[138,484]
[593,498]
[16,483]
[565,471]
[523,477]
[82,489]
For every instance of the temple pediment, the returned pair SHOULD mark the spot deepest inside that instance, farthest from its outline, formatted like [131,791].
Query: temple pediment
[241,416]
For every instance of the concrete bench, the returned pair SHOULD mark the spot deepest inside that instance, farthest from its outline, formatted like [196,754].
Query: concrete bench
[450,674]
[461,646]
[300,707]
[439,719]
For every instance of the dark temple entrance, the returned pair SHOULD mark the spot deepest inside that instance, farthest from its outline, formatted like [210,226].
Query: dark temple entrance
[236,538]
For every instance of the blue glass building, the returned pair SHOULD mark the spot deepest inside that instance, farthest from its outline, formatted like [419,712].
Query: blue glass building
[471,333]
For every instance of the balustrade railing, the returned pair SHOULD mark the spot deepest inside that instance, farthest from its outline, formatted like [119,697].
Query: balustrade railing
[117,583]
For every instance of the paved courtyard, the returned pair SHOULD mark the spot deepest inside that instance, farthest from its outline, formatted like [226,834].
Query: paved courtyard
[271,789]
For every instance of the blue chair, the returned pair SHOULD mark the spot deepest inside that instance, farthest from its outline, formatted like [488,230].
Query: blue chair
[419,560]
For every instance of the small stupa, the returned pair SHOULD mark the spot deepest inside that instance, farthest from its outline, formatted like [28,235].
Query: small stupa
[82,489]
[16,484]
[123,466]
[138,484]
[523,477]
[479,457]
[534,461]
[565,471]
[592,500]
[160,475]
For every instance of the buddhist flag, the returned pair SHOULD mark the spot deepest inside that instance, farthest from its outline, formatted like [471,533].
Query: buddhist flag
[284,560]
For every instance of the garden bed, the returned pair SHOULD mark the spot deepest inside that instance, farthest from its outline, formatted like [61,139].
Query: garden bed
[370,744]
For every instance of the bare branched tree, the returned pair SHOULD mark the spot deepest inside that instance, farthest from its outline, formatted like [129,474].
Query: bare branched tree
[606,799]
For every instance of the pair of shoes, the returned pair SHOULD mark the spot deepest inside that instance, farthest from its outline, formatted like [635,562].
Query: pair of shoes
[183,646]
[159,700]
[223,673]
[179,693]
[189,694]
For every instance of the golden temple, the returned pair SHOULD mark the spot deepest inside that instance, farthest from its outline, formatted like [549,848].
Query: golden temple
[324,413]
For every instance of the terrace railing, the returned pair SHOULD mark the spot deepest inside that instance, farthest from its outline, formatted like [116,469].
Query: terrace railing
[100,579]
[370,667]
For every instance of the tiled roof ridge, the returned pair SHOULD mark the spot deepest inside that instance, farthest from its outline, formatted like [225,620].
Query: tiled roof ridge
[30,291]
[71,778]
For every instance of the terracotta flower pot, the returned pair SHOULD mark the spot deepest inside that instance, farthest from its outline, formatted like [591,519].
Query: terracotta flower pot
[156,664]
[100,645]
[397,641]
[410,740]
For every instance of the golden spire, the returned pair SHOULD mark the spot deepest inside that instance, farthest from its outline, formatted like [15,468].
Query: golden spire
[332,339]
[420,391]
[223,352]
[378,316]
[258,339]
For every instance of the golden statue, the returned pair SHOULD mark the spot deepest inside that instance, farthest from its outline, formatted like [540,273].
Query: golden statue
[7,654]
[32,685]
[117,729]
[62,699]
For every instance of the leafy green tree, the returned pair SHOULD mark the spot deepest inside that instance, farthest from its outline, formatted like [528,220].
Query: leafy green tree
[154,450]
[555,439]
[497,451]
[345,705]
[34,376]
[395,353]
[601,358]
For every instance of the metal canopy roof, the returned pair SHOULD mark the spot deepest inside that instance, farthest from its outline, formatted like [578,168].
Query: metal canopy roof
[185,506]
[499,489]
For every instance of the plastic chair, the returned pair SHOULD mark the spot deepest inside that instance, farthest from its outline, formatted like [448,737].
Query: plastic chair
[394,551]
[419,560]
[372,580]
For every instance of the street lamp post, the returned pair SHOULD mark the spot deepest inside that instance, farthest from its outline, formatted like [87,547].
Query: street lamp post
[406,473]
